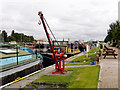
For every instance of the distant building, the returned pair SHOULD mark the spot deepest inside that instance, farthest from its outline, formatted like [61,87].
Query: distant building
[39,41]
[42,42]
[30,44]
[13,42]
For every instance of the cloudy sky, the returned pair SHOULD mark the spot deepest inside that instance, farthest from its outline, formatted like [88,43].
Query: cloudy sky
[74,19]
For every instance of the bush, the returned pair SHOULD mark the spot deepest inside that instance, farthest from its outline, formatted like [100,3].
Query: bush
[94,58]
[114,44]
[117,46]
[101,46]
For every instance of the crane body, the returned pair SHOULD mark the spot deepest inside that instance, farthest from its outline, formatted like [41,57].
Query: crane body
[59,58]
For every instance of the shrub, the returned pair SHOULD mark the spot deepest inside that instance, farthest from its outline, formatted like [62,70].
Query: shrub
[114,44]
[94,58]
[117,46]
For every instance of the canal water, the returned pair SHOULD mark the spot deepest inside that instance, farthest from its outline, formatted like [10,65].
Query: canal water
[5,61]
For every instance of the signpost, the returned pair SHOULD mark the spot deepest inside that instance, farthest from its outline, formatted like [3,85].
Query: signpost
[87,49]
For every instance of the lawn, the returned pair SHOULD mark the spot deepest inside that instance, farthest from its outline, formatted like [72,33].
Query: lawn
[95,49]
[81,77]
[81,63]
[83,57]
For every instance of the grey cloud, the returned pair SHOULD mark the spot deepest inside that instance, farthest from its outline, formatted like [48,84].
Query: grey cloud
[67,18]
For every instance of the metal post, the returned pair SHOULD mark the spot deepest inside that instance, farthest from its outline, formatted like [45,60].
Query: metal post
[39,47]
[17,54]
[36,53]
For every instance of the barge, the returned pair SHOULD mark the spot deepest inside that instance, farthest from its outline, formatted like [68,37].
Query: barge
[15,64]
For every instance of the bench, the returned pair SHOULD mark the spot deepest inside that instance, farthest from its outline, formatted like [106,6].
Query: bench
[109,53]
[106,48]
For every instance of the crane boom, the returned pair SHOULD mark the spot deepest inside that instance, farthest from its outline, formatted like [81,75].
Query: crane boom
[57,57]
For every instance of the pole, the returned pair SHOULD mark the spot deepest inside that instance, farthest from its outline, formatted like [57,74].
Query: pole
[36,53]
[39,47]
[87,47]
[17,54]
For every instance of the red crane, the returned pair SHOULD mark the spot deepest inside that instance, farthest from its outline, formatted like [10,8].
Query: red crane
[59,58]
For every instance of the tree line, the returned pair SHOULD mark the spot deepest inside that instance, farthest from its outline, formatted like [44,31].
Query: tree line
[113,33]
[18,37]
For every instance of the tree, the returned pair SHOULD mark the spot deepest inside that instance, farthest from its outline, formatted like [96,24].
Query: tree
[31,38]
[116,34]
[25,38]
[107,38]
[18,37]
[12,34]
[112,27]
[4,35]
[11,38]
[1,39]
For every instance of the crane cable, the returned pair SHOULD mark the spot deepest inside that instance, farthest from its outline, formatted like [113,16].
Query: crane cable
[51,32]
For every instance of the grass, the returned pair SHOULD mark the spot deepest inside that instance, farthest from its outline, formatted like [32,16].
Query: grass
[81,63]
[81,77]
[95,49]
[34,85]
[83,57]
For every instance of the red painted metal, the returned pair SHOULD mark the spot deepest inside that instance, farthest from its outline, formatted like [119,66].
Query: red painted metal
[59,58]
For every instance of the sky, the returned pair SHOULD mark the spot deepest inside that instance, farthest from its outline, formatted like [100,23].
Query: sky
[73,19]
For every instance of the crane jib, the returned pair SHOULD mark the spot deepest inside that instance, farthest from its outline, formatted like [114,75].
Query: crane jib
[57,57]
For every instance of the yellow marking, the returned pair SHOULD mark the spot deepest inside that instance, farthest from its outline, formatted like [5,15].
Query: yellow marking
[16,80]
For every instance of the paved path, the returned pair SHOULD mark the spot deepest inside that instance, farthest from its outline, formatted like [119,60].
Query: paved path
[17,69]
[28,80]
[109,72]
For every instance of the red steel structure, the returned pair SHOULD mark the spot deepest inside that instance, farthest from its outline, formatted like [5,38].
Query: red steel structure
[59,58]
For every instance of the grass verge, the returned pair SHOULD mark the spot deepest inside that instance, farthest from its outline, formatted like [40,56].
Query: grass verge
[83,57]
[95,49]
[81,77]
[81,63]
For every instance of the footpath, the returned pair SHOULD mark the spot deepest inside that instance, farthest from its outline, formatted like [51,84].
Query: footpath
[109,72]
